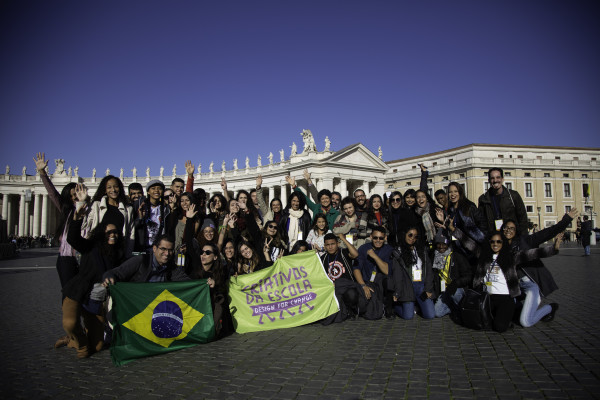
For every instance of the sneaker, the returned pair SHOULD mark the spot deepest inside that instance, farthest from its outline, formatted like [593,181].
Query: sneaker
[550,316]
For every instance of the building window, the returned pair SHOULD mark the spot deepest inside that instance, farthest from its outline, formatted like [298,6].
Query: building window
[508,185]
[485,174]
[557,158]
[577,158]
[462,175]
[548,209]
[586,190]
[414,167]
[593,158]
[462,185]
[408,183]
[395,169]
[507,174]
[520,157]
[584,175]
[451,160]
[527,174]
[565,175]
[567,209]
[549,223]
[486,186]
[500,156]
[445,178]
[435,163]
[429,180]
[567,187]
[529,209]
[539,157]
[587,210]
[546,175]
[528,190]
[430,191]
[548,189]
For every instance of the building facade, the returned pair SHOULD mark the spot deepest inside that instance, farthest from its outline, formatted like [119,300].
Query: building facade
[551,180]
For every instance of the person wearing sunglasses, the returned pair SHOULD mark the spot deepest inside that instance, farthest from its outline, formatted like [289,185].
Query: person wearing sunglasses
[496,271]
[535,280]
[270,233]
[372,275]
[412,277]
[84,293]
[399,219]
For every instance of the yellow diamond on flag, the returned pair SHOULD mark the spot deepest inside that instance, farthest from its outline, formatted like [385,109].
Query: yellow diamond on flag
[166,319]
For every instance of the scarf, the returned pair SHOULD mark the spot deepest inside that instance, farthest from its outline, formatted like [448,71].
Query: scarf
[293,226]
[439,259]
[427,222]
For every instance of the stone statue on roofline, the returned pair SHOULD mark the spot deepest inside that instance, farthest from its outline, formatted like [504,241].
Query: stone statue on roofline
[327,144]
[60,166]
[294,149]
[282,155]
[309,141]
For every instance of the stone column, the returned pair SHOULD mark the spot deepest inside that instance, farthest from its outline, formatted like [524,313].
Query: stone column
[284,195]
[9,216]
[44,230]
[343,188]
[5,207]
[27,218]
[328,184]
[21,228]
[271,195]
[36,215]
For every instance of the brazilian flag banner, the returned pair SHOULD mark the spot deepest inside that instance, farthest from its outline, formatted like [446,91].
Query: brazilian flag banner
[294,291]
[156,318]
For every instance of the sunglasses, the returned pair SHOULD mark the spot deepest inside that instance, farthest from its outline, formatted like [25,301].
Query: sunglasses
[495,241]
[413,235]
[272,226]
[396,200]
[207,252]
[378,237]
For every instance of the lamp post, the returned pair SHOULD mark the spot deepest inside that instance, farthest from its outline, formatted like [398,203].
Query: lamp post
[539,217]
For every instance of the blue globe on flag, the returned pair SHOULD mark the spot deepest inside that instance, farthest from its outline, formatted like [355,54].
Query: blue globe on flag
[167,320]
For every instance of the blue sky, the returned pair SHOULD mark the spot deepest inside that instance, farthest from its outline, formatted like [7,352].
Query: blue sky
[111,84]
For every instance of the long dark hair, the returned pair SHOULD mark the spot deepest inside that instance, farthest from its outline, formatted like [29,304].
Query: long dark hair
[254,260]
[463,204]
[301,200]
[505,257]
[223,203]
[382,210]
[406,253]
[249,203]
[314,225]
[115,253]
[277,240]
[101,192]
[66,207]
[180,213]
[217,270]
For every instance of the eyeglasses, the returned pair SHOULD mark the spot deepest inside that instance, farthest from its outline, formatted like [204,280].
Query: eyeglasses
[272,226]
[207,252]
[413,235]
[165,250]
[495,241]
[378,237]
[509,228]
[396,200]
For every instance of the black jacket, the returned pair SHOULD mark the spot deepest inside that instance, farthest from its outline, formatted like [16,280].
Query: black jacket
[303,225]
[139,269]
[511,207]
[402,280]
[460,275]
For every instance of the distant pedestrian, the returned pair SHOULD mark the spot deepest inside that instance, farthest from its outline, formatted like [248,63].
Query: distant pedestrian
[586,231]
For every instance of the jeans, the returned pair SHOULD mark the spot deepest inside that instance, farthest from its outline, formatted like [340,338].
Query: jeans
[587,250]
[441,305]
[406,309]
[530,314]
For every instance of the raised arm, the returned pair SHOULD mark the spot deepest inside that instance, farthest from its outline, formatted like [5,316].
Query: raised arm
[262,205]
[189,168]
[40,164]
[312,190]
[189,234]
[224,187]
[424,175]
[74,237]
[352,252]
[536,239]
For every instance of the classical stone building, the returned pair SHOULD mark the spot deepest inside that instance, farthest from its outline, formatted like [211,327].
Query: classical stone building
[551,180]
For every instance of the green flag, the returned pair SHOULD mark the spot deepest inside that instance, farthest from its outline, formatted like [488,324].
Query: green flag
[294,291]
[156,318]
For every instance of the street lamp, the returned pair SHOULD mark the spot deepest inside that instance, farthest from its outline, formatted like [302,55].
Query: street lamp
[539,218]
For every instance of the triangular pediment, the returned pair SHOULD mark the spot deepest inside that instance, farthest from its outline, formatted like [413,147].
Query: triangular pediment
[357,155]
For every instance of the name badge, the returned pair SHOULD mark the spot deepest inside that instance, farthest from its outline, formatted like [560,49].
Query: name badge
[488,283]
[498,223]
[454,239]
[416,274]
[443,285]
[349,238]
[299,235]
[373,275]
[180,260]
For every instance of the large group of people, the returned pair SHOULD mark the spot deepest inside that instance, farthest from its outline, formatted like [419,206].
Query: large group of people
[390,255]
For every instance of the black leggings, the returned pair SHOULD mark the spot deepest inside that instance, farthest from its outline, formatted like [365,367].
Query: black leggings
[503,308]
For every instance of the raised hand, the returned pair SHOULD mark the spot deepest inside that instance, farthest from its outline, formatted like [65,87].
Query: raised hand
[423,167]
[40,162]
[306,174]
[450,224]
[223,184]
[558,240]
[267,244]
[574,213]
[189,167]
[191,211]
[291,181]
[439,214]
[81,192]
[232,220]
[258,182]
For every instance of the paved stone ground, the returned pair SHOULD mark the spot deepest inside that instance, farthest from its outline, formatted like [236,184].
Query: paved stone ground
[396,359]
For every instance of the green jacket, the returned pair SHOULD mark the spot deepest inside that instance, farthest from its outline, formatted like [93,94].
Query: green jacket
[331,215]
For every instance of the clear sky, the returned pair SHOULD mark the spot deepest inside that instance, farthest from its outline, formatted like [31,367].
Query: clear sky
[111,84]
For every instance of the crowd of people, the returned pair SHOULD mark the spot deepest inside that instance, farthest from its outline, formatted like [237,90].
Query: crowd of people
[390,255]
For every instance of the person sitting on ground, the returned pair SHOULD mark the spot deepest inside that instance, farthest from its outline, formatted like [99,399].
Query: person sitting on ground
[300,247]
[452,276]
[372,275]
[84,294]
[338,266]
